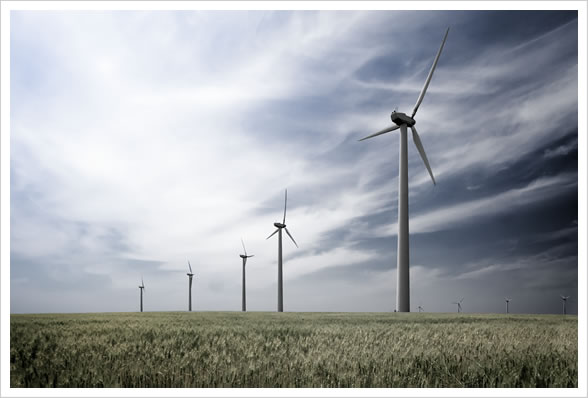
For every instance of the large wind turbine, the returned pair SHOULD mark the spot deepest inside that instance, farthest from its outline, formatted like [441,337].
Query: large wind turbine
[190,275]
[279,227]
[565,300]
[507,301]
[402,121]
[141,289]
[458,304]
[244,257]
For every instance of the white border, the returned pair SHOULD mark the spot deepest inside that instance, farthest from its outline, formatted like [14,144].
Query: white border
[294,5]
[7,6]
[582,198]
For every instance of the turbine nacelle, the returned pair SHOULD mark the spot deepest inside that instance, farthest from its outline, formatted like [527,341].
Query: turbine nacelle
[400,118]
[245,256]
[279,225]
[190,275]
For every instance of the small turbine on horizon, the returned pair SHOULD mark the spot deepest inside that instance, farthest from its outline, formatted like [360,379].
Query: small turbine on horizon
[402,121]
[507,301]
[190,275]
[458,304]
[141,289]
[244,257]
[421,309]
[565,300]
[279,227]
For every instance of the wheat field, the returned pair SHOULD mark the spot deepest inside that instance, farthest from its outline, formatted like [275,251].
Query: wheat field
[233,349]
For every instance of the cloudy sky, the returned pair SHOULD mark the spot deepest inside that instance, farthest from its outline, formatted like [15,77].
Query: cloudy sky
[144,139]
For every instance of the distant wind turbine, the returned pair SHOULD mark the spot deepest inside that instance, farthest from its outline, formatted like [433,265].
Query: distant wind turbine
[421,309]
[141,289]
[244,257]
[507,301]
[565,300]
[279,227]
[402,121]
[190,275]
[458,304]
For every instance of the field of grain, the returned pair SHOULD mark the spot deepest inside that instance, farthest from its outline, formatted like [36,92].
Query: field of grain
[232,349]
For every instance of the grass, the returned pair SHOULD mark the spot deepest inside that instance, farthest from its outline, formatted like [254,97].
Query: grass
[231,349]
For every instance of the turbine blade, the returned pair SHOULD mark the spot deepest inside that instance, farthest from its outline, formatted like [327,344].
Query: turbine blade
[386,130]
[272,234]
[243,246]
[190,265]
[251,255]
[285,203]
[424,90]
[288,232]
[419,145]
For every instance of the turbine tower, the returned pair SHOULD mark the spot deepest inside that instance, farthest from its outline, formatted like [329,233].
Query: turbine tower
[507,301]
[458,304]
[565,300]
[244,257]
[279,227]
[190,275]
[141,289]
[402,121]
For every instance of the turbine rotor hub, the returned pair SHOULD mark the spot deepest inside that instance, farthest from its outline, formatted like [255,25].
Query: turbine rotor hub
[400,118]
[279,225]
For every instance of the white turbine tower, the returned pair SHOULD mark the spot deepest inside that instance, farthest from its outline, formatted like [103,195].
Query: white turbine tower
[279,227]
[565,300]
[141,289]
[402,122]
[190,276]
[458,304]
[244,257]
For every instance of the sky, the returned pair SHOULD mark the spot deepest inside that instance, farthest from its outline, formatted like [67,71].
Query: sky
[141,140]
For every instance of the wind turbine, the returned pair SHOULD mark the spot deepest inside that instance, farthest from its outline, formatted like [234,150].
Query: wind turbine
[458,304]
[565,300]
[279,227]
[421,309]
[507,301]
[244,257]
[190,275]
[402,121]
[141,289]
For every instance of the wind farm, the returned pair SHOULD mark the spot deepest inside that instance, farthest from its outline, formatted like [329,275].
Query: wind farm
[170,136]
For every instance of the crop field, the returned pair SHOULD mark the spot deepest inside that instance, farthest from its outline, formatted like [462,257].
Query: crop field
[233,349]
